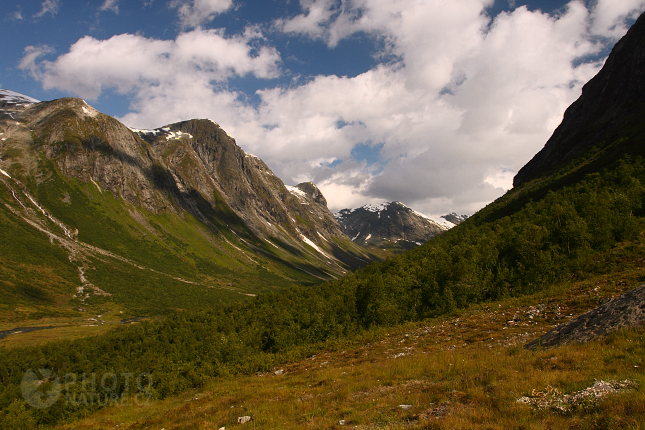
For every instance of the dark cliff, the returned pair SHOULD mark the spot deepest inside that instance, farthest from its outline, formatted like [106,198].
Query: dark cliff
[614,100]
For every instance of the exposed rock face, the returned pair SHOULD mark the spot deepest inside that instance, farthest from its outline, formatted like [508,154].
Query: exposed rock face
[313,203]
[623,312]
[91,146]
[610,101]
[389,223]
[202,157]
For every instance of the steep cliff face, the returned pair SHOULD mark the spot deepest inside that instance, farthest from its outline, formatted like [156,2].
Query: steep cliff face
[184,193]
[390,225]
[92,147]
[203,159]
[611,102]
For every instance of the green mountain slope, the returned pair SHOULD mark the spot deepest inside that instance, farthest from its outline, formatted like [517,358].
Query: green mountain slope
[576,205]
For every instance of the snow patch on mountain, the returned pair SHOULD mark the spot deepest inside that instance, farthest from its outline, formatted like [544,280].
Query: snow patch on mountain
[379,207]
[441,222]
[144,131]
[16,99]
[309,242]
[296,191]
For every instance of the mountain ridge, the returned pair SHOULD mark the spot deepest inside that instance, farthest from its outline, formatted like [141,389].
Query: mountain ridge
[428,339]
[392,226]
[611,101]
[185,191]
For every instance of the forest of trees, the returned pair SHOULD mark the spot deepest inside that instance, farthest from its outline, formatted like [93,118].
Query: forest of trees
[506,250]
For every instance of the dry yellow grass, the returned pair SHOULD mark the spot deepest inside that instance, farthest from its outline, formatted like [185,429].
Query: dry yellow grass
[82,325]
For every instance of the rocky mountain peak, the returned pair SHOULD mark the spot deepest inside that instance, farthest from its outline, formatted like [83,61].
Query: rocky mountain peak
[313,193]
[10,98]
[391,225]
[454,218]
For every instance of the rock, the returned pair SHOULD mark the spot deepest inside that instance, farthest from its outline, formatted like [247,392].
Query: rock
[552,398]
[405,407]
[389,224]
[243,420]
[279,372]
[625,311]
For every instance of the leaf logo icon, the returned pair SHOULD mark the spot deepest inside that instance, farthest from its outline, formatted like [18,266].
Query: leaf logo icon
[40,389]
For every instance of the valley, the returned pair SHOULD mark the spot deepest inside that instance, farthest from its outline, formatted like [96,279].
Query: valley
[187,287]
[100,208]
[461,371]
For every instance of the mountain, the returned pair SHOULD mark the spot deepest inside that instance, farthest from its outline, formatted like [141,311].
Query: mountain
[454,218]
[11,102]
[392,226]
[562,240]
[576,211]
[181,211]
[612,103]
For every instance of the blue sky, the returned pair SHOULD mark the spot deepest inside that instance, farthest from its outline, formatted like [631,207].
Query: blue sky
[434,103]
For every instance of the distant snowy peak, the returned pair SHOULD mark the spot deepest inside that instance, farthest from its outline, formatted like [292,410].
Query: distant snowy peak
[392,225]
[379,207]
[454,219]
[12,103]
[441,222]
[11,98]
[370,207]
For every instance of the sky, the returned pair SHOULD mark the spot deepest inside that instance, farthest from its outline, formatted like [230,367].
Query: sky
[434,103]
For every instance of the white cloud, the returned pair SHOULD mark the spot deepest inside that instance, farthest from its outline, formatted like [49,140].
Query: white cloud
[316,20]
[470,102]
[470,99]
[112,5]
[194,13]
[30,55]
[17,15]
[135,64]
[48,7]
[609,16]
